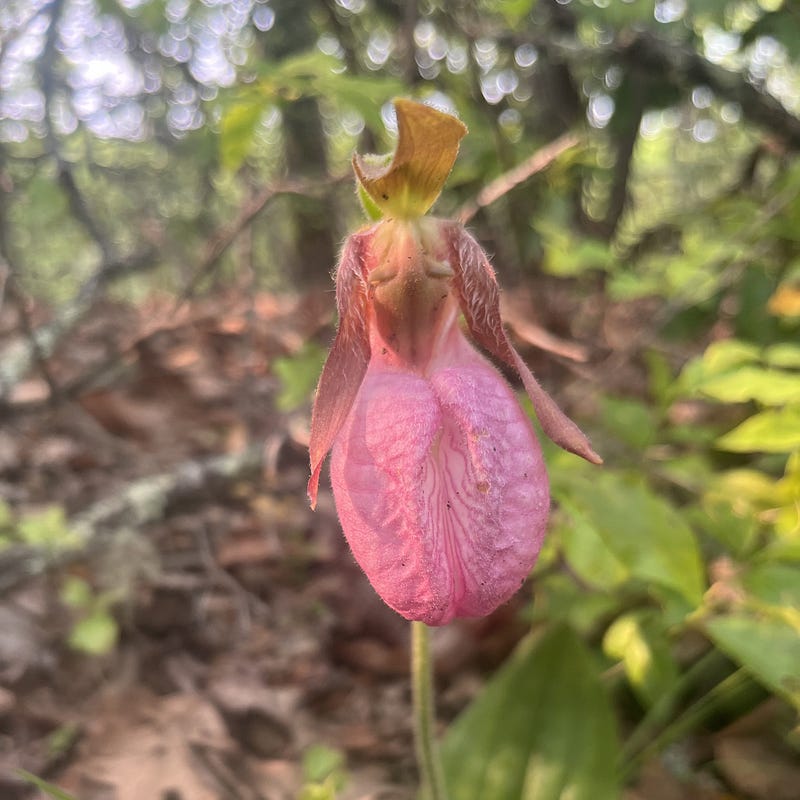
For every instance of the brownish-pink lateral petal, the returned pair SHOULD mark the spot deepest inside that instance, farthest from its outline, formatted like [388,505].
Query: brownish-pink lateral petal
[479,297]
[347,362]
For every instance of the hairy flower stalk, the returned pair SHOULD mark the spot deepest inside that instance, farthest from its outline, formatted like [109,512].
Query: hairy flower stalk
[437,474]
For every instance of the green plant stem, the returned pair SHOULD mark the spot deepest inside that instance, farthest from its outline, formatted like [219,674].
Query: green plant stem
[659,713]
[430,767]
[694,716]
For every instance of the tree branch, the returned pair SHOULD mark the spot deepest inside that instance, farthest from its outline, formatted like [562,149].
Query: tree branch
[684,67]
[504,183]
[141,503]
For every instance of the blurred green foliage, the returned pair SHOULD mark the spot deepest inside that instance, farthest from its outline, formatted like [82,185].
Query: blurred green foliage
[323,772]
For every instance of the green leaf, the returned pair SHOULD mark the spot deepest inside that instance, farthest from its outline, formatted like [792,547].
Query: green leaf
[783,355]
[237,131]
[721,356]
[95,634]
[766,386]
[48,788]
[46,529]
[716,518]
[768,432]
[587,554]
[299,375]
[541,730]
[320,761]
[642,530]
[76,593]
[559,599]
[768,647]
[639,640]
[630,421]
[774,584]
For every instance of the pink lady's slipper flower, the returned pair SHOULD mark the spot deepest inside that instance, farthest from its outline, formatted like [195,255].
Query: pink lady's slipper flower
[437,474]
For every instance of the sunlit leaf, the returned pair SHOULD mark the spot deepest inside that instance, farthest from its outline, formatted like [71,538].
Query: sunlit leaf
[639,640]
[320,761]
[541,730]
[783,355]
[773,431]
[47,529]
[766,386]
[95,634]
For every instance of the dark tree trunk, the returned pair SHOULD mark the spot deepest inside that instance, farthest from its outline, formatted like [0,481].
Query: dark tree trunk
[313,219]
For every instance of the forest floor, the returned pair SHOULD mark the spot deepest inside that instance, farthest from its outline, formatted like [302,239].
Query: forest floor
[232,629]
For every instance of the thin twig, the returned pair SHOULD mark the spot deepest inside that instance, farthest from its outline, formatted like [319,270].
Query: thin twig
[220,242]
[503,184]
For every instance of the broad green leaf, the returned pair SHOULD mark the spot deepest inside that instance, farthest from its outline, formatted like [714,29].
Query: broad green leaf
[719,359]
[642,530]
[541,730]
[639,640]
[630,421]
[721,356]
[587,553]
[744,489]
[783,355]
[427,146]
[775,584]
[767,647]
[766,386]
[768,432]
[95,634]
[716,517]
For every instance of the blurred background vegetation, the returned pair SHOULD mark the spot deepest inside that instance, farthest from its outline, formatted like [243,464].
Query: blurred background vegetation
[158,156]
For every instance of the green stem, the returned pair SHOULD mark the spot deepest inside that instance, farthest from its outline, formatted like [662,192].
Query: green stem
[661,710]
[430,766]
[735,684]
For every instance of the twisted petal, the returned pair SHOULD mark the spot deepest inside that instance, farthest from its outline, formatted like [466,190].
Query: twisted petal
[479,298]
[440,487]
[347,362]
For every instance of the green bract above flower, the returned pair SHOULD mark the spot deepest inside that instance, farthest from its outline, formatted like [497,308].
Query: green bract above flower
[427,146]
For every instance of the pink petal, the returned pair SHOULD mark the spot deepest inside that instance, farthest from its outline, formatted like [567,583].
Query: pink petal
[347,362]
[440,487]
[479,297]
